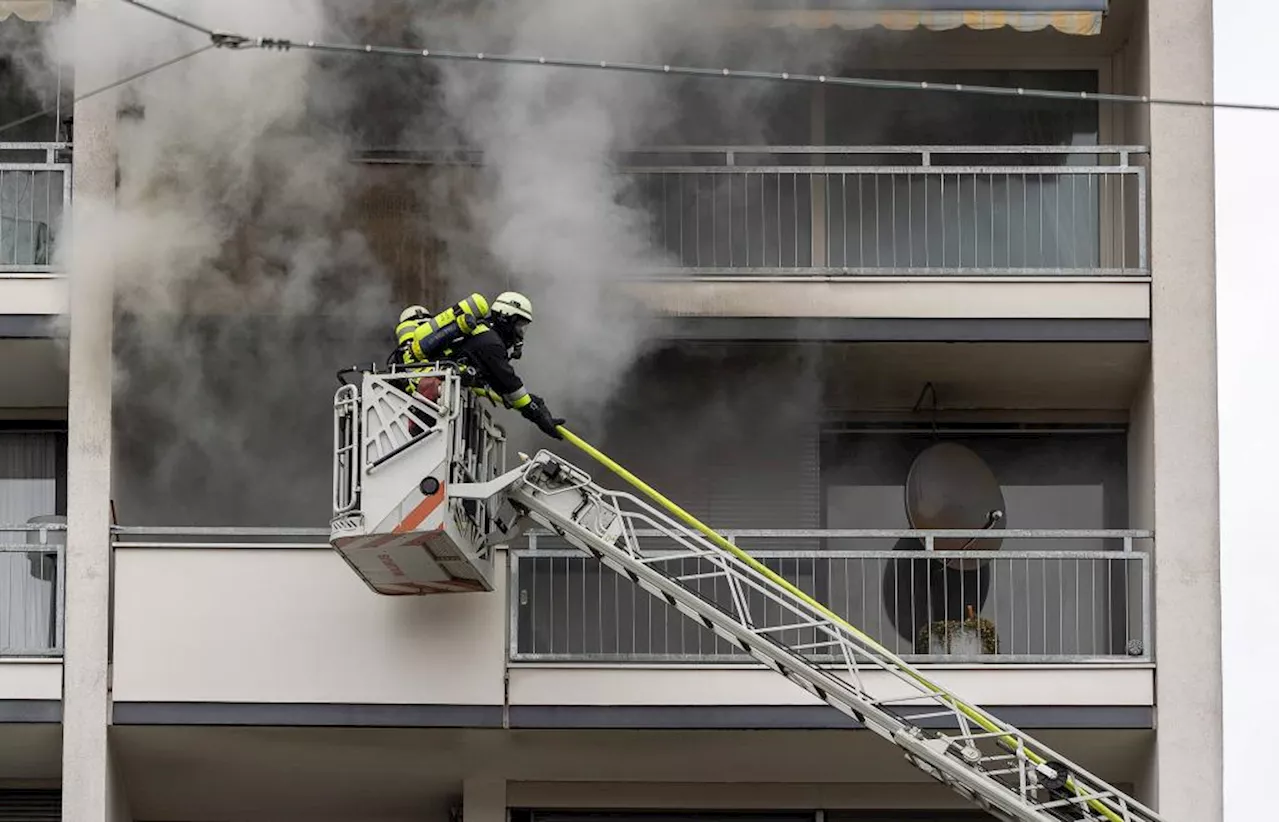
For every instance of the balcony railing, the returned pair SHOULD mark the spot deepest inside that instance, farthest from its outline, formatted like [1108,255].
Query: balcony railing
[35,192]
[899,211]
[32,559]
[1023,606]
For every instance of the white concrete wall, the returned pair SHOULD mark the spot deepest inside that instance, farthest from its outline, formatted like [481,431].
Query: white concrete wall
[1188,638]
[43,295]
[870,297]
[1007,685]
[294,625]
[30,679]
[88,782]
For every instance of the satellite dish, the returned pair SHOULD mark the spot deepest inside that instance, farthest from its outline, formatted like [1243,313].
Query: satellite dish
[905,589]
[950,487]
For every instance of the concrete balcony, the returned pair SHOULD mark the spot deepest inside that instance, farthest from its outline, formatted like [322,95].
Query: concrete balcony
[899,242]
[235,626]
[35,197]
[32,563]
[907,243]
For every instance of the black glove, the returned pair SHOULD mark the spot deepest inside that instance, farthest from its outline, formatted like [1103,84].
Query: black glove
[537,413]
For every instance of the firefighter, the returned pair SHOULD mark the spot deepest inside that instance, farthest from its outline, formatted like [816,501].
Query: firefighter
[420,338]
[410,319]
[486,336]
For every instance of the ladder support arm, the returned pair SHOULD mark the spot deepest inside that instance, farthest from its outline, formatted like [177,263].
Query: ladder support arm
[991,763]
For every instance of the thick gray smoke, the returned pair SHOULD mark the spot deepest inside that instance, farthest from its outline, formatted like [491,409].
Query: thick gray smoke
[557,218]
[252,258]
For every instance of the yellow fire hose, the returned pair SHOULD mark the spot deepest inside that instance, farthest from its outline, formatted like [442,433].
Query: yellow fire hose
[968,710]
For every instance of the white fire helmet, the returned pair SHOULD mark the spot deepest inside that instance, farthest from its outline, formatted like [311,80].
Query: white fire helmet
[513,304]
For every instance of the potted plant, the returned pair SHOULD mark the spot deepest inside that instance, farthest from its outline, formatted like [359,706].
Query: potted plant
[972,636]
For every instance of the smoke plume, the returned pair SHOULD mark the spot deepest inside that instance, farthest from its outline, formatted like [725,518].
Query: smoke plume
[252,258]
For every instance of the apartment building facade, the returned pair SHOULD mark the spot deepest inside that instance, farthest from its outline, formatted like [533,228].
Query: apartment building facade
[854,278]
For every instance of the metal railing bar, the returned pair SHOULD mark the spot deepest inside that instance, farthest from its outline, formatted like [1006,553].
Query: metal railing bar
[408,154]
[51,167]
[798,273]
[941,533]
[6,146]
[878,171]
[851,553]
[743,660]
[887,149]
[19,653]
[54,271]
[899,533]
[223,545]
[216,530]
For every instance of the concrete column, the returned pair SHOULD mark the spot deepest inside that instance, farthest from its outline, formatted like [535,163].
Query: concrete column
[1188,638]
[90,786]
[484,799]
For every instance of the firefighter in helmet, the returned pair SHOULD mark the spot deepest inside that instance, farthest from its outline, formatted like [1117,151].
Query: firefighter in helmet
[484,335]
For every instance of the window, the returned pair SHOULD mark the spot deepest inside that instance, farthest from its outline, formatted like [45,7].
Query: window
[32,488]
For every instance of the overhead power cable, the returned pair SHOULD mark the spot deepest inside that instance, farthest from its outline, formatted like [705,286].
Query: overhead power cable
[235,41]
[181,21]
[135,76]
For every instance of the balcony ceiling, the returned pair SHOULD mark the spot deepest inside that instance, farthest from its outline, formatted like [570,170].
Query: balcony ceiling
[382,774]
[33,372]
[886,378]
[30,754]
[986,376]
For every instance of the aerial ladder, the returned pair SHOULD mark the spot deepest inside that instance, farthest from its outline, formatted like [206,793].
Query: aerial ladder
[423,498]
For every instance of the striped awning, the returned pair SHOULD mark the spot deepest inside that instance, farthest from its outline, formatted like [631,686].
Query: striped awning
[33,11]
[1083,17]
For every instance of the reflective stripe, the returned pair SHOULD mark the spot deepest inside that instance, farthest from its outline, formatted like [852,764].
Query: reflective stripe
[405,330]
[522,399]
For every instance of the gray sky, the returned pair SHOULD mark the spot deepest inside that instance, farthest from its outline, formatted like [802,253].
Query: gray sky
[1246,38]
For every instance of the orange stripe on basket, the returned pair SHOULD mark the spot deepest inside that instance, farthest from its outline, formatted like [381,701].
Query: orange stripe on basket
[420,512]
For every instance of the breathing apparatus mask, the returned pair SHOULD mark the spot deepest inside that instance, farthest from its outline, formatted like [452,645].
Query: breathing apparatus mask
[511,329]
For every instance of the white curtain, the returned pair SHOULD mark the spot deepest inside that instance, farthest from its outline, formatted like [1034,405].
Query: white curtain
[28,488]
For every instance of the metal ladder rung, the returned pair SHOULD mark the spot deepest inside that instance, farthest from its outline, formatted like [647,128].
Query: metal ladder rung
[893,700]
[933,715]
[808,646]
[668,557]
[795,626]
[708,575]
